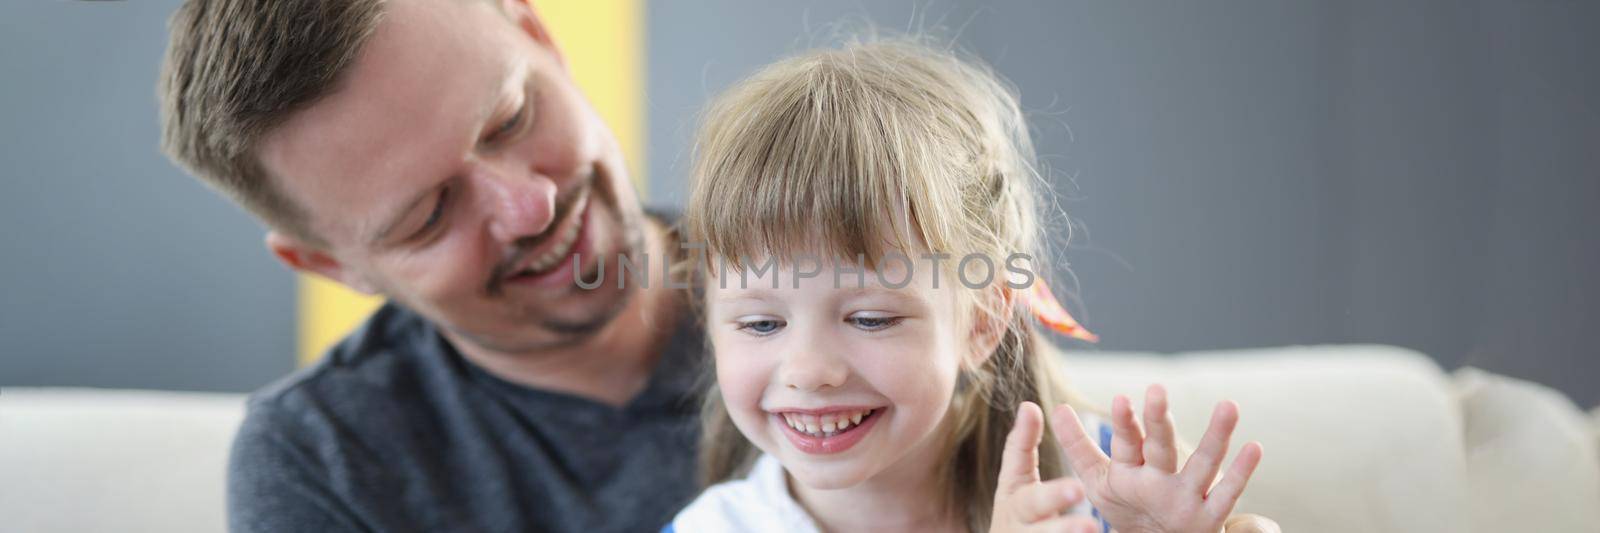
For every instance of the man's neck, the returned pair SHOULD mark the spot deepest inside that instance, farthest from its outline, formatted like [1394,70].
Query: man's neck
[612,366]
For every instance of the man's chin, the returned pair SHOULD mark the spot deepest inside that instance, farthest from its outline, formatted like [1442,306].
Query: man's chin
[564,322]
[584,319]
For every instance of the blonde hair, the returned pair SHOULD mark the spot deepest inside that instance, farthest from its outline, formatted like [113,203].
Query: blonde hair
[839,147]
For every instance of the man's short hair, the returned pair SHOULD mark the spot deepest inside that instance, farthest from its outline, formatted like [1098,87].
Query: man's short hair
[236,69]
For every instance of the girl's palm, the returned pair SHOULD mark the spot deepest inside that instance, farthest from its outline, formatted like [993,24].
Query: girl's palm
[1140,489]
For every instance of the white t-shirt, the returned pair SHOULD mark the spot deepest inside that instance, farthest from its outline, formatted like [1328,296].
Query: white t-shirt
[761,503]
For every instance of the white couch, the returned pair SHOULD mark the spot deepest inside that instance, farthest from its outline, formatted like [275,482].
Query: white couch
[1377,438]
[1357,438]
[92,460]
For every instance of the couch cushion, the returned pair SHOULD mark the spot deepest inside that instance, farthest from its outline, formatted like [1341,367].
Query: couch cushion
[1531,456]
[1356,438]
[109,460]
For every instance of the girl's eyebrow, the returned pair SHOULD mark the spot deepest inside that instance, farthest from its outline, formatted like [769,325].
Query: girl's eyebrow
[745,298]
[902,296]
[751,295]
[726,307]
[762,293]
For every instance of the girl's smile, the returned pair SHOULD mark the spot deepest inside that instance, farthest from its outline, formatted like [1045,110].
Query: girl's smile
[827,431]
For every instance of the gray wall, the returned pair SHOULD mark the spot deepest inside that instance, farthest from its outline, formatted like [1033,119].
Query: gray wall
[118,269]
[1257,173]
[1245,173]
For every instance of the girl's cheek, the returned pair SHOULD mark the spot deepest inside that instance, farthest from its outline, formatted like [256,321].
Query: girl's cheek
[743,384]
[741,375]
[910,366]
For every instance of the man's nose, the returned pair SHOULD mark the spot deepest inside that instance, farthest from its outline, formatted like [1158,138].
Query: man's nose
[812,367]
[523,204]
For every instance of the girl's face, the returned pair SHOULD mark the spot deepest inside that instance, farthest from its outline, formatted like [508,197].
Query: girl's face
[839,379]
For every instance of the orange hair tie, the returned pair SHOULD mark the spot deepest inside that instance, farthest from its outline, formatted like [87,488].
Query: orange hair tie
[1049,312]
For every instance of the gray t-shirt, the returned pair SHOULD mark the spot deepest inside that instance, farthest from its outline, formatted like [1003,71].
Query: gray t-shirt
[395,431]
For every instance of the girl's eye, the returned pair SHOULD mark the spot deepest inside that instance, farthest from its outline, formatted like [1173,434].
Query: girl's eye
[874,323]
[761,327]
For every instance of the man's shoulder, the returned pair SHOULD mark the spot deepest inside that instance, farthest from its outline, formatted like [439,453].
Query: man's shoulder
[380,363]
[304,454]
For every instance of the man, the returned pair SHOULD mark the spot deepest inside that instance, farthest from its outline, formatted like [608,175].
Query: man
[438,153]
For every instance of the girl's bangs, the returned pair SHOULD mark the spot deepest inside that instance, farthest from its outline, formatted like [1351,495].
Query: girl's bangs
[819,165]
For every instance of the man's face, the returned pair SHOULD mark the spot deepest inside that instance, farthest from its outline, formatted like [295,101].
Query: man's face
[459,171]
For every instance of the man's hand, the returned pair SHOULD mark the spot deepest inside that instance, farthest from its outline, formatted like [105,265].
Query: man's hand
[1023,502]
[1139,489]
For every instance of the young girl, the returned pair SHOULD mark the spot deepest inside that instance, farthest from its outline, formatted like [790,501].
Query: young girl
[870,222]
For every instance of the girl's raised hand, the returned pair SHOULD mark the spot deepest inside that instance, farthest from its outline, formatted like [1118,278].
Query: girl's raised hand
[1139,489]
[1023,502]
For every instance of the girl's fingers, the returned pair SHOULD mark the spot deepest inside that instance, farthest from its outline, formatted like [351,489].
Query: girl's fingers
[1222,497]
[1126,439]
[1249,523]
[1046,500]
[1160,446]
[1083,455]
[1019,463]
[1202,466]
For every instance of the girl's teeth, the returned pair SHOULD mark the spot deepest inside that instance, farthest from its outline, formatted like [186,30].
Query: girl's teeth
[826,425]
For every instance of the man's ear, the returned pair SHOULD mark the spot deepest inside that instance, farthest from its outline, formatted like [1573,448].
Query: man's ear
[527,18]
[304,257]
